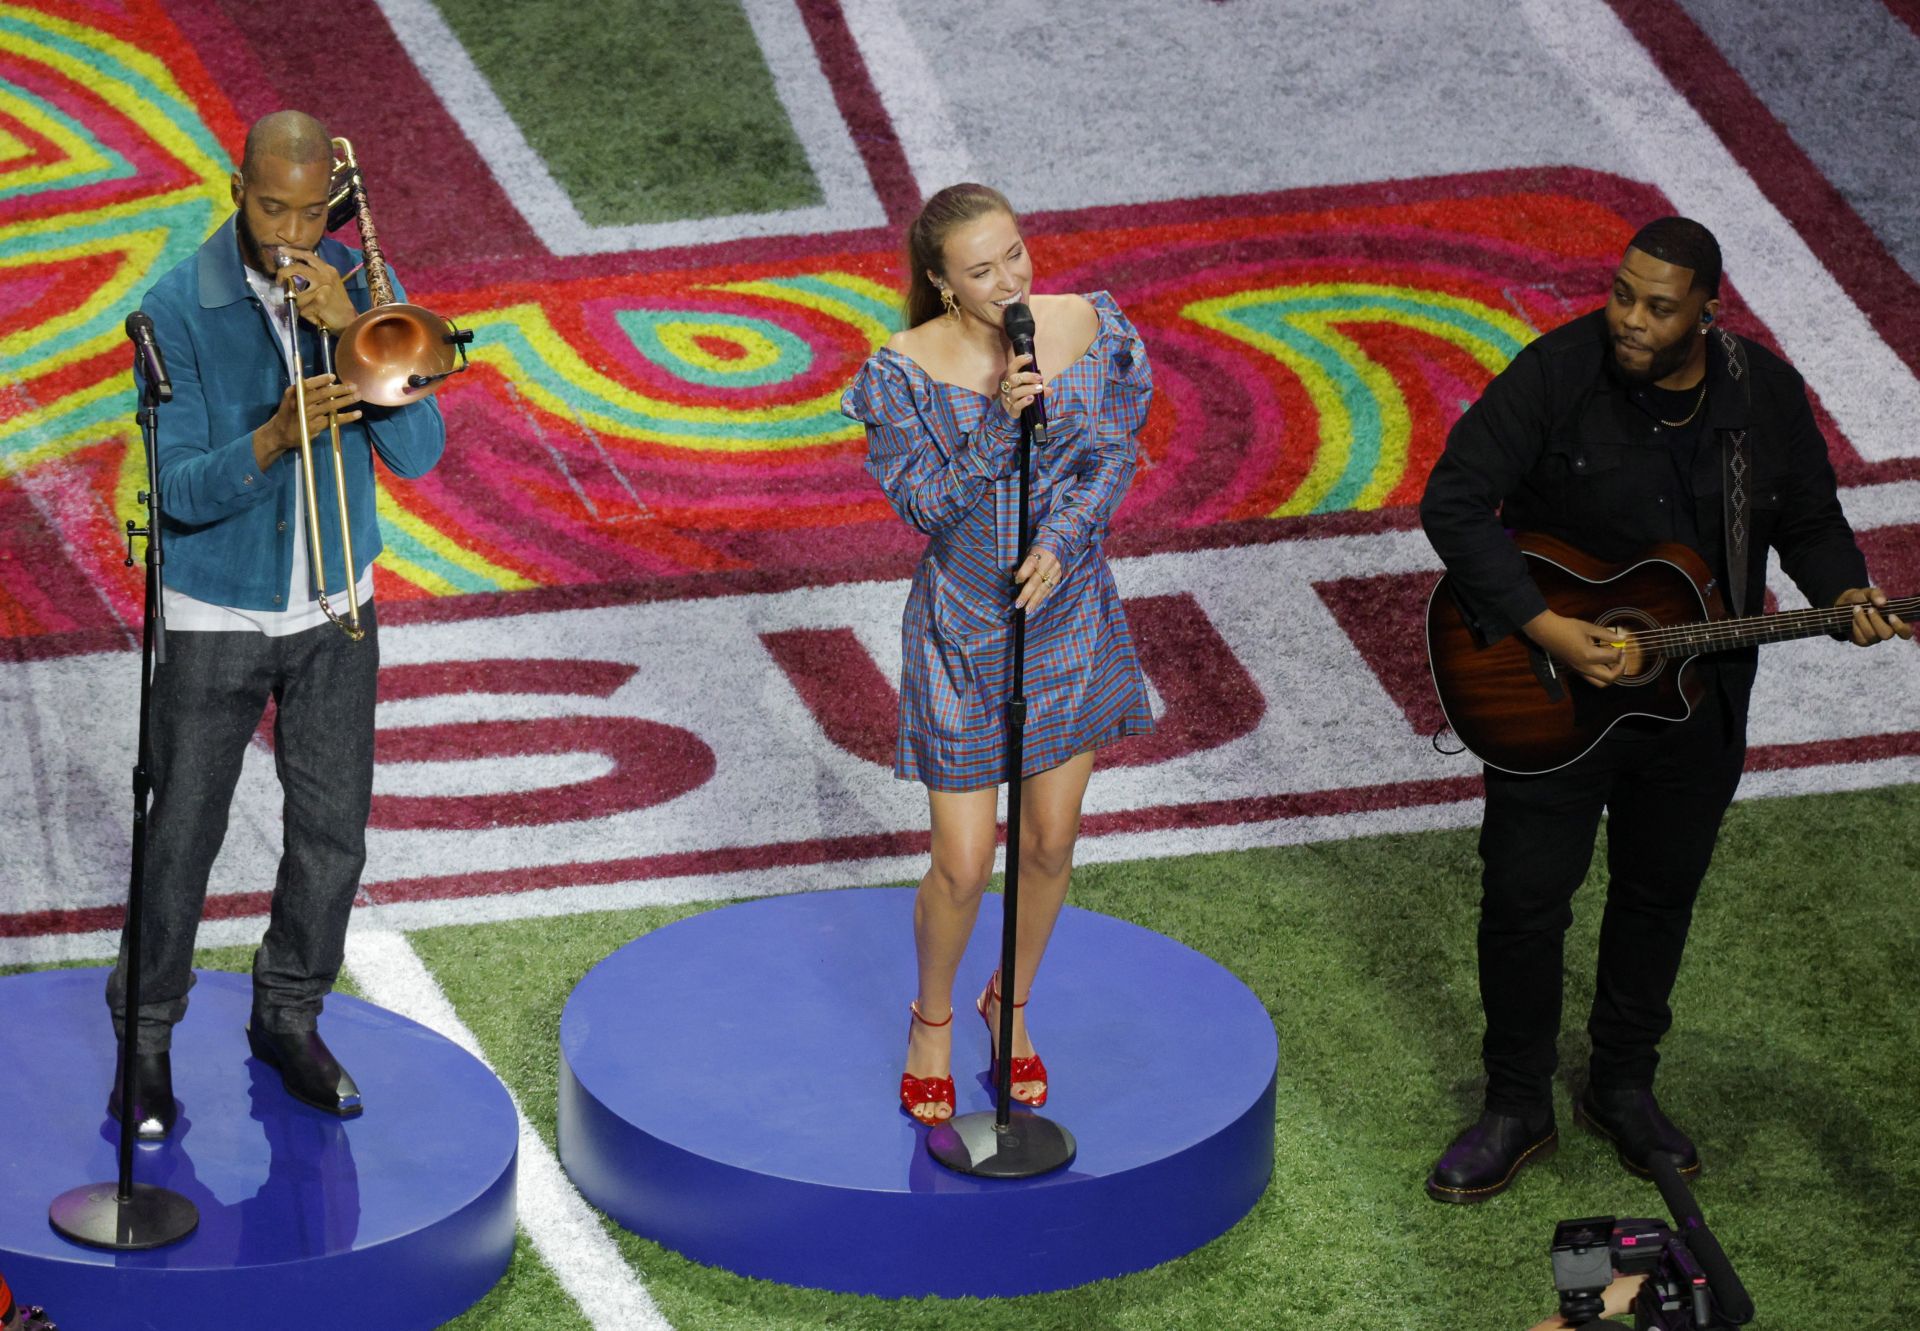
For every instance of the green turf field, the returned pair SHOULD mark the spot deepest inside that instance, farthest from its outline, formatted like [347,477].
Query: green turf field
[1794,1025]
[643,113]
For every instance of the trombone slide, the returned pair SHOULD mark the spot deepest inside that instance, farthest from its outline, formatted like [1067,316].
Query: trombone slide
[351,624]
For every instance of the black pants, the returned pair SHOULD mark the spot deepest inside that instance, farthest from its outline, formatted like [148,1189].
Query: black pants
[1665,791]
[207,701]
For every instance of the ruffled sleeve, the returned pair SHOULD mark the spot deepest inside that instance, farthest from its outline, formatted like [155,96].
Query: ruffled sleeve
[1126,393]
[1129,388]
[931,475]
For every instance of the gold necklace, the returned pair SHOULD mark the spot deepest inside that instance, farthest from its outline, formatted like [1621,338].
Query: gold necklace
[1674,425]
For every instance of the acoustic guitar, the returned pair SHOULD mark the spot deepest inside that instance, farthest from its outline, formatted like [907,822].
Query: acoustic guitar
[1521,712]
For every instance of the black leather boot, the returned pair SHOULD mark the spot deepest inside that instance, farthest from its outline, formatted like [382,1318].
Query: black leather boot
[1484,1159]
[1630,1118]
[154,1110]
[308,1069]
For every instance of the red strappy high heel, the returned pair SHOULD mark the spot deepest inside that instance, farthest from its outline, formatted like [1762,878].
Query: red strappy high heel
[1024,1069]
[916,1092]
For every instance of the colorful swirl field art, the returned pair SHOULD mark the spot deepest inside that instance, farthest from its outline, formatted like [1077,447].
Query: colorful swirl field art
[625,427]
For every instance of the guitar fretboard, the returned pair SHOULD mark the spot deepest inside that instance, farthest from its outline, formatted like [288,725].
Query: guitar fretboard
[1723,635]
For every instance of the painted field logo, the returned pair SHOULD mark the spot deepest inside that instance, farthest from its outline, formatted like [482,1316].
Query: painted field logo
[641,762]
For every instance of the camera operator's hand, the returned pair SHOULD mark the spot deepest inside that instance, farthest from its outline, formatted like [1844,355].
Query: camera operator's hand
[1618,1298]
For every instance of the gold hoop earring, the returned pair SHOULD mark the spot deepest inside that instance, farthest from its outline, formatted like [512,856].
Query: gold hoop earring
[948,304]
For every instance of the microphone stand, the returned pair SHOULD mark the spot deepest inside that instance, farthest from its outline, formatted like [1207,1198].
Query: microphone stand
[997,1145]
[124,1215]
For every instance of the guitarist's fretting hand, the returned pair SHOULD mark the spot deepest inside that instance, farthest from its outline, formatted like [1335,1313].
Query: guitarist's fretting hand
[1870,624]
[1589,650]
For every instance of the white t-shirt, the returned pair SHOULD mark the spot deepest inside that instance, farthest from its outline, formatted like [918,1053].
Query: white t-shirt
[191,614]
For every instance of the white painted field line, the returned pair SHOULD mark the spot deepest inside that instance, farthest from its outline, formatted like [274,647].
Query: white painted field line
[805,95]
[1870,391]
[546,903]
[910,92]
[567,1234]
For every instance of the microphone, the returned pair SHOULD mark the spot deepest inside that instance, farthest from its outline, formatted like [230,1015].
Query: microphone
[280,260]
[1019,328]
[153,366]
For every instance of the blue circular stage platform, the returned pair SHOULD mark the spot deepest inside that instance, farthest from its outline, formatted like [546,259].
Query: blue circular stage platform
[400,1218]
[728,1088]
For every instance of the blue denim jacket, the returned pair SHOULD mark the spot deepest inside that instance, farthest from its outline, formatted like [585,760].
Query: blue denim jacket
[229,525]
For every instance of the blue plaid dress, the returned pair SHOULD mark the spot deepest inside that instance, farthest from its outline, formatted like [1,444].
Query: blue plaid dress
[946,457]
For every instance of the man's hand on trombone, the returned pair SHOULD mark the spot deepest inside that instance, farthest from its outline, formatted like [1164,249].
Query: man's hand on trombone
[281,433]
[318,289]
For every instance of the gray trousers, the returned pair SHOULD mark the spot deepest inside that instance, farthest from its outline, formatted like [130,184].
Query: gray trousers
[207,702]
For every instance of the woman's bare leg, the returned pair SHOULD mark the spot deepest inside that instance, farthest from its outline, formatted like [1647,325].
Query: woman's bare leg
[965,825]
[1049,827]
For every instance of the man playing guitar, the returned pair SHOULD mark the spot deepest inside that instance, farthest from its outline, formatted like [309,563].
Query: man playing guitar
[1636,425]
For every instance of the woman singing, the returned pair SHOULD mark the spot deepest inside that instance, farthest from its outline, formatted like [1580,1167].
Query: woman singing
[941,403]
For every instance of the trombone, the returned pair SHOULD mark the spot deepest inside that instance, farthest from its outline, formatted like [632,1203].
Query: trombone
[351,624]
[392,354]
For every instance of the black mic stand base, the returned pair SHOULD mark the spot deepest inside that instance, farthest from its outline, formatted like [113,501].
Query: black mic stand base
[99,1217]
[974,1144]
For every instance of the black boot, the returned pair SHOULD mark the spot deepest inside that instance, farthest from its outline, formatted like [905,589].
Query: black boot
[154,1110]
[1483,1160]
[1630,1118]
[307,1069]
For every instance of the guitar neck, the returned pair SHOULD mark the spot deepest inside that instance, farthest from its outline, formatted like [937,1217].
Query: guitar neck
[1724,635]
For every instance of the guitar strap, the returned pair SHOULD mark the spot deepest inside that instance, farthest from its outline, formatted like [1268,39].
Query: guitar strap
[1736,466]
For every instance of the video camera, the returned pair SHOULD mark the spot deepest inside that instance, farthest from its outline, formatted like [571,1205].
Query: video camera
[1690,1285]
[13,1317]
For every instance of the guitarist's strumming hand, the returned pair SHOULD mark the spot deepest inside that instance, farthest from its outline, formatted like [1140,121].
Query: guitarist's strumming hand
[1871,623]
[1595,652]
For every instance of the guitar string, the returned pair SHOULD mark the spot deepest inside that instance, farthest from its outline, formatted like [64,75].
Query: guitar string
[1761,625]
[1824,617]
[1771,626]
[1794,623]
[1727,633]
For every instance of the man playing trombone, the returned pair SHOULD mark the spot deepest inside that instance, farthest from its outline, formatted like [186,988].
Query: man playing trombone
[248,605]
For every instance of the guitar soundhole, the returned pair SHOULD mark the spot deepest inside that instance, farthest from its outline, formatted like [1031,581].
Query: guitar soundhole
[1642,666]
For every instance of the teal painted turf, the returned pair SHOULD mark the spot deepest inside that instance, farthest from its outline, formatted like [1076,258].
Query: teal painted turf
[186,225]
[25,32]
[885,313]
[718,425]
[793,356]
[651,112]
[1790,1063]
[1276,319]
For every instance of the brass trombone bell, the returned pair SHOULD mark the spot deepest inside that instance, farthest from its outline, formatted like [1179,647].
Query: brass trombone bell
[387,352]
